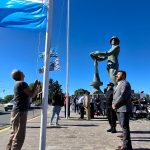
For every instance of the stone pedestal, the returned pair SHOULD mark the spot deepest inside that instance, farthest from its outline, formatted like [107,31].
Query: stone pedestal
[96,80]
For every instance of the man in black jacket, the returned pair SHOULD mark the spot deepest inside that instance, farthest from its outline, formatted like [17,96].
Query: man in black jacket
[111,114]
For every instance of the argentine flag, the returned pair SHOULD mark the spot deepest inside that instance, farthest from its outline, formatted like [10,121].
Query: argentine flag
[23,14]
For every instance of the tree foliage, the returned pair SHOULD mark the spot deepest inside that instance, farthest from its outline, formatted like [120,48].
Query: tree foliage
[8,98]
[78,92]
[53,86]
[37,99]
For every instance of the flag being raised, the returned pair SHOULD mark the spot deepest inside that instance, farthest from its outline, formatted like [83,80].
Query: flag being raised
[23,14]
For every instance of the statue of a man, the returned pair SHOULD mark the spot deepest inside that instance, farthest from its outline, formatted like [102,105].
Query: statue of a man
[112,57]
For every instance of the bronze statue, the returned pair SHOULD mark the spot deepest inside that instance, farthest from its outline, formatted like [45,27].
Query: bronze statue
[112,57]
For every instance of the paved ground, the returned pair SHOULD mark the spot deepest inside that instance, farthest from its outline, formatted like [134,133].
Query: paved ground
[5,117]
[74,134]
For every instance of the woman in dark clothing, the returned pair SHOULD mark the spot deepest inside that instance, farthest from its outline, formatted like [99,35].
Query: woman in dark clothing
[56,106]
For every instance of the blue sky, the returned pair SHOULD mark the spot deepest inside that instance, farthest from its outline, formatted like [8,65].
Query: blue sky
[92,24]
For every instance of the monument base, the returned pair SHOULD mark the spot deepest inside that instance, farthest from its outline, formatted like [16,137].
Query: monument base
[96,84]
[96,88]
[95,91]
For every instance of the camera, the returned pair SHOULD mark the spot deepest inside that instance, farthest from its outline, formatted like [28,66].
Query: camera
[37,82]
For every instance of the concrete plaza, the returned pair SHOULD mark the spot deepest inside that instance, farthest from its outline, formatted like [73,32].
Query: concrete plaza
[74,134]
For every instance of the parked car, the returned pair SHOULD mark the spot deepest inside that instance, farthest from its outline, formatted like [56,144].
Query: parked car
[8,106]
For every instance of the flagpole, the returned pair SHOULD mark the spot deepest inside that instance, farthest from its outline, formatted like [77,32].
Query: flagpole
[42,142]
[67,62]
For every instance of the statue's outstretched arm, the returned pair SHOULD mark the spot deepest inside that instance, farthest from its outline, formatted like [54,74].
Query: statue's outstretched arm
[105,54]
[100,58]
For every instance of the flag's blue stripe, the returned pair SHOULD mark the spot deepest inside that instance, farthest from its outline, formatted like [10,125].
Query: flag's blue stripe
[22,14]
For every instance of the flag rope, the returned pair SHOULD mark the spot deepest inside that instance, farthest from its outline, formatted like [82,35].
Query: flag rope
[39,43]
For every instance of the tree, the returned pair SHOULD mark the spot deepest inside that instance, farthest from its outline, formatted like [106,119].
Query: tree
[38,98]
[53,86]
[8,98]
[79,91]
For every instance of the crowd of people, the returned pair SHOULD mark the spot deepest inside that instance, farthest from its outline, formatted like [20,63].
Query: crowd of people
[117,106]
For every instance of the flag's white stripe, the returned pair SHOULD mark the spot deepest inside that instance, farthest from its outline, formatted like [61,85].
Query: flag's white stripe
[38,1]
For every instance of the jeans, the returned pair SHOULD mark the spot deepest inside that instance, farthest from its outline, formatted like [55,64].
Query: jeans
[55,110]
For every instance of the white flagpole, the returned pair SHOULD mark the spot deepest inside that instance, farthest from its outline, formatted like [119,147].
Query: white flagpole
[42,143]
[67,63]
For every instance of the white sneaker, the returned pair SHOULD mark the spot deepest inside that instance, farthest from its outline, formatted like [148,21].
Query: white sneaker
[50,124]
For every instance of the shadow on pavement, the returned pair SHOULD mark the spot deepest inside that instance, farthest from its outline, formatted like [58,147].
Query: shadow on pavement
[80,125]
[141,140]
[37,107]
[4,113]
[36,127]
[146,138]
[141,148]
[33,127]
[99,119]
[140,132]
[61,126]
[78,119]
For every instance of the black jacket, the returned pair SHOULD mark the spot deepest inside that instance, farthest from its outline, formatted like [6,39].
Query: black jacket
[109,98]
[57,99]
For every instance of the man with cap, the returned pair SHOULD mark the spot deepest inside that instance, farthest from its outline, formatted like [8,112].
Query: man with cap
[112,57]
[111,114]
